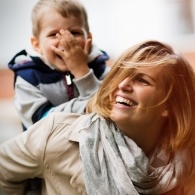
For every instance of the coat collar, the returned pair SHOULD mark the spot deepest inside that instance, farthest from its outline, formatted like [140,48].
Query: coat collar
[75,128]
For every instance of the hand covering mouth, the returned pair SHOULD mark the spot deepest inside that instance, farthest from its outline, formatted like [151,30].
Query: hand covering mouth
[58,56]
[126,102]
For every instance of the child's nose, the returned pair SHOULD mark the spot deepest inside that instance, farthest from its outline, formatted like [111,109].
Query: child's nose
[60,46]
[126,84]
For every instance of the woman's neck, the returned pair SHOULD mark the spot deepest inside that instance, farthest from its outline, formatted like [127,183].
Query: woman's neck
[145,137]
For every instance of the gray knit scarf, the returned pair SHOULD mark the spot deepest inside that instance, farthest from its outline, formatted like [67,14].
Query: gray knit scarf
[114,165]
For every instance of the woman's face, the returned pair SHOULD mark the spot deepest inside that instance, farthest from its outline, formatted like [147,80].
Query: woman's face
[135,100]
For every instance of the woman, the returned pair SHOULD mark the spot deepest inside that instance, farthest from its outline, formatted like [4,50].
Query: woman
[137,138]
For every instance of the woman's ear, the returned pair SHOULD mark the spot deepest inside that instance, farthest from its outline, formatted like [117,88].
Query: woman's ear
[165,113]
[35,44]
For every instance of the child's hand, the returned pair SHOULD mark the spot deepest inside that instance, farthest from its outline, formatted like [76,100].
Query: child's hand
[73,55]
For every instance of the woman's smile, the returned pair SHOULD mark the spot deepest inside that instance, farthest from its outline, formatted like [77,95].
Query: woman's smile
[126,102]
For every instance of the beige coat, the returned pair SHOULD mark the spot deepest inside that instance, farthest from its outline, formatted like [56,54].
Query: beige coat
[50,150]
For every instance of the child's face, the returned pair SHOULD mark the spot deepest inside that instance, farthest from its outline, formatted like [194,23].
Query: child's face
[51,24]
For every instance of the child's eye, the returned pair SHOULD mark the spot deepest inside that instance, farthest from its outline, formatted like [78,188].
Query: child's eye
[76,33]
[52,35]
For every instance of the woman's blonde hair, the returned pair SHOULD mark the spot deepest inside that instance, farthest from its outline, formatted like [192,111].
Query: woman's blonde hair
[179,80]
[64,7]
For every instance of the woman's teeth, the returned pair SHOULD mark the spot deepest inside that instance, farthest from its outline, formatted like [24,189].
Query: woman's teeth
[121,100]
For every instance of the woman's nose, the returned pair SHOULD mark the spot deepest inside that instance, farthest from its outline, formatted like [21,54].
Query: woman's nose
[126,84]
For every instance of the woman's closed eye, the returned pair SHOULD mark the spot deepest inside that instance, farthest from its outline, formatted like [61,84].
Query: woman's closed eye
[142,81]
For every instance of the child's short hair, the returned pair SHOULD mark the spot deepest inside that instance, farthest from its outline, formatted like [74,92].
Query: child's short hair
[65,7]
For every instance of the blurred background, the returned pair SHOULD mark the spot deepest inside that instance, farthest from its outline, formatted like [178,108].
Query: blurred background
[115,25]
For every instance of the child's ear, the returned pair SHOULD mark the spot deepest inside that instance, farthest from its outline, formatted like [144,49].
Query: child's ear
[35,44]
[165,113]
[88,43]
[89,36]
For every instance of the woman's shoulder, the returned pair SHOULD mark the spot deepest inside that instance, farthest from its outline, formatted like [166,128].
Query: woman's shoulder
[70,123]
[187,188]
[61,117]
[189,185]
